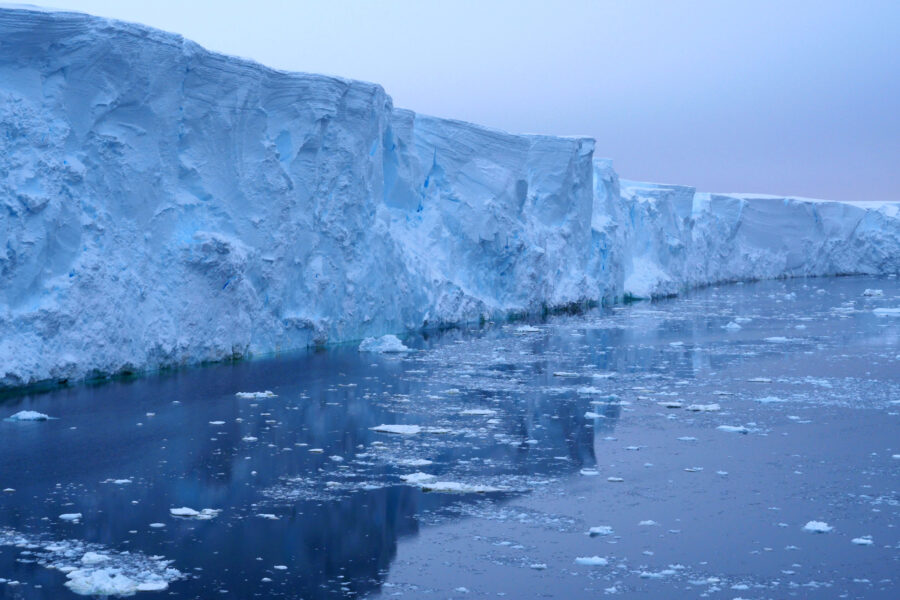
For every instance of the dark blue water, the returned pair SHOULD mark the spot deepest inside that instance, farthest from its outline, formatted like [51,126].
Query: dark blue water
[540,419]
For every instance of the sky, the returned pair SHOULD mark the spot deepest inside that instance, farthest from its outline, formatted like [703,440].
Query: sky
[783,97]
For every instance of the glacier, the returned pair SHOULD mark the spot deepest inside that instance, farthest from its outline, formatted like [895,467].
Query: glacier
[165,205]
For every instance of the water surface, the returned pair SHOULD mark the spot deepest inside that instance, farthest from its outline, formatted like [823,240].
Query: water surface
[548,428]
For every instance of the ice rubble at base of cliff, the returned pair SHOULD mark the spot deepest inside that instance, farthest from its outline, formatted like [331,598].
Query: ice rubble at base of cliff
[164,205]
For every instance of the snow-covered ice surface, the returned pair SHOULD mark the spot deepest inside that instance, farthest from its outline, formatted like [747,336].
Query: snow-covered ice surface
[467,463]
[164,205]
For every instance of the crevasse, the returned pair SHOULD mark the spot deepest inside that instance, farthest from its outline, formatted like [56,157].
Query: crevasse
[166,205]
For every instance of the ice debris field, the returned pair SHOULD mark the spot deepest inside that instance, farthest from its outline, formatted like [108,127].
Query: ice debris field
[166,205]
[639,450]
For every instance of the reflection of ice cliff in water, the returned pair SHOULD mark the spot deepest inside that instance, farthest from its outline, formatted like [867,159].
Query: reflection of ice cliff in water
[185,439]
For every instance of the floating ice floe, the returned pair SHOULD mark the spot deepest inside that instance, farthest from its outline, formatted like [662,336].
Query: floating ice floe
[778,339]
[760,380]
[565,374]
[28,415]
[817,527]
[589,390]
[600,530]
[648,523]
[93,558]
[478,412]
[526,329]
[591,561]
[887,312]
[92,570]
[415,462]
[732,326]
[398,429]
[454,487]
[592,415]
[189,513]
[256,395]
[703,407]
[417,478]
[384,344]
[671,404]
[770,400]
[615,479]
[268,516]
[733,429]
[71,517]
[873,292]
[865,540]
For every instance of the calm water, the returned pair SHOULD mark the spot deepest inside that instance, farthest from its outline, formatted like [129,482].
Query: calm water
[563,425]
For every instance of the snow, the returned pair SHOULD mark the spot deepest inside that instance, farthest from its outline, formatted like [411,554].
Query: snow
[384,344]
[290,210]
[28,415]
[817,527]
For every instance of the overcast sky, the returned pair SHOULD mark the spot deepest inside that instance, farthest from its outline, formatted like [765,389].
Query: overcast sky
[782,97]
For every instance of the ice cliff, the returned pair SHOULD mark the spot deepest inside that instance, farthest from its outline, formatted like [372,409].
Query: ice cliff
[161,205]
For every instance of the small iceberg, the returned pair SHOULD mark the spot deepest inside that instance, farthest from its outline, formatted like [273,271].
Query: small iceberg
[733,429]
[704,408]
[28,415]
[453,487]
[256,395]
[383,344]
[398,429]
[189,513]
[817,527]
[591,561]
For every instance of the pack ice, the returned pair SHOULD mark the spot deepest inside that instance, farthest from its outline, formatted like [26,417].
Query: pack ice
[164,205]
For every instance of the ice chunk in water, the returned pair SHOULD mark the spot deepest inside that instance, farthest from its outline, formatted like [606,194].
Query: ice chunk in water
[384,344]
[817,527]
[28,415]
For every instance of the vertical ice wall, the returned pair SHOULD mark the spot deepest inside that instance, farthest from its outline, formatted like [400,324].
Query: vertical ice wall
[161,204]
[493,222]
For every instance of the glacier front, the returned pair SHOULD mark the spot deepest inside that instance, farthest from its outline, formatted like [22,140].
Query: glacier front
[166,205]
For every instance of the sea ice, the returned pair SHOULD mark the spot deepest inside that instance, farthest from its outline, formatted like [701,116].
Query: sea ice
[255,395]
[399,429]
[383,344]
[817,527]
[591,561]
[28,415]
